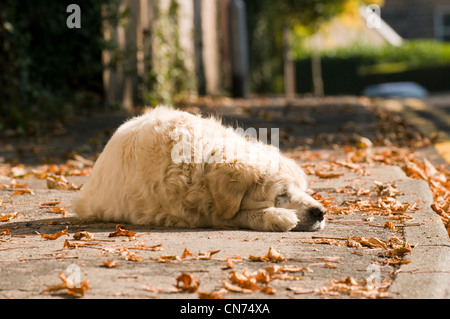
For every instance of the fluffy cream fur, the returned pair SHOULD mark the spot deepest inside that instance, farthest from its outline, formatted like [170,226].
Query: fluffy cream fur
[172,168]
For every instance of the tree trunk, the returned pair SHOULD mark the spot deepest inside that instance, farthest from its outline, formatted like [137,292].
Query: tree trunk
[316,69]
[289,68]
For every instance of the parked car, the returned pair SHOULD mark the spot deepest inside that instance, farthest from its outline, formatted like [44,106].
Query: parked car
[395,89]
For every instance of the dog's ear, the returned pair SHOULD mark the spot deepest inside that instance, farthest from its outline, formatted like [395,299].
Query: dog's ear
[228,184]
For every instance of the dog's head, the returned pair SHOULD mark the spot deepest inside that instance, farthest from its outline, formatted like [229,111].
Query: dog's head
[243,187]
[309,212]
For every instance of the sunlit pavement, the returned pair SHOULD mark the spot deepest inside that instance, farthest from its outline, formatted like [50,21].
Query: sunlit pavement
[431,116]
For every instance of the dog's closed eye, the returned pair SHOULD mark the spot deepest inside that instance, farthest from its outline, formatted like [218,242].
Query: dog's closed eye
[282,199]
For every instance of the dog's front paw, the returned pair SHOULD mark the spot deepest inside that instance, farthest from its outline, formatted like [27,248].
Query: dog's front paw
[279,219]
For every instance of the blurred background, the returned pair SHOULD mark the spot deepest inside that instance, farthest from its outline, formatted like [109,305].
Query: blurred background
[129,54]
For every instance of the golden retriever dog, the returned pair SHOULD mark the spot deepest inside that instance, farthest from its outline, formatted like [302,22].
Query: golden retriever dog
[175,169]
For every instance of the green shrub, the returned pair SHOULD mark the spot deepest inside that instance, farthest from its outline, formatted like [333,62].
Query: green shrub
[348,70]
[45,66]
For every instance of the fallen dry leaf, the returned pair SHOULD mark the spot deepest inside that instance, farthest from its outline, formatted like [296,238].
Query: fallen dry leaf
[275,269]
[205,256]
[144,246]
[244,280]
[389,225]
[399,252]
[285,276]
[83,234]
[397,261]
[167,258]
[69,245]
[439,210]
[268,290]
[372,242]
[229,265]
[188,283]
[358,242]
[5,231]
[130,256]
[51,203]
[350,286]
[186,253]
[55,235]
[58,210]
[71,288]
[386,189]
[273,256]
[59,182]
[235,288]
[322,174]
[110,264]
[120,231]
[210,295]
[7,217]
[22,192]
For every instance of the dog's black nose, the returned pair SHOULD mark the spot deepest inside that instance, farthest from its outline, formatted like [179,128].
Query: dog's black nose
[317,213]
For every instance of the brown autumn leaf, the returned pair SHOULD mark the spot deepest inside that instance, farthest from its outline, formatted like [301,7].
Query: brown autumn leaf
[386,189]
[166,258]
[244,280]
[143,246]
[55,235]
[69,245]
[272,256]
[275,269]
[14,184]
[121,231]
[22,192]
[362,191]
[83,234]
[58,210]
[300,290]
[440,211]
[322,174]
[186,253]
[399,252]
[188,283]
[327,241]
[358,242]
[389,225]
[210,295]
[50,203]
[7,217]
[229,265]
[59,182]
[130,256]
[110,264]
[207,255]
[71,288]
[372,242]
[235,288]
[268,290]
[5,231]
[350,286]
[397,261]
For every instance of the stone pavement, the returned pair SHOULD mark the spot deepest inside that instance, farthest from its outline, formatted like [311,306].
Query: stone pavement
[355,256]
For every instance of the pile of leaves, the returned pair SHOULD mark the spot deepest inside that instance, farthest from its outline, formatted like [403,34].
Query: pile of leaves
[356,161]
[394,249]
[350,286]
[55,175]
[439,183]
[438,178]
